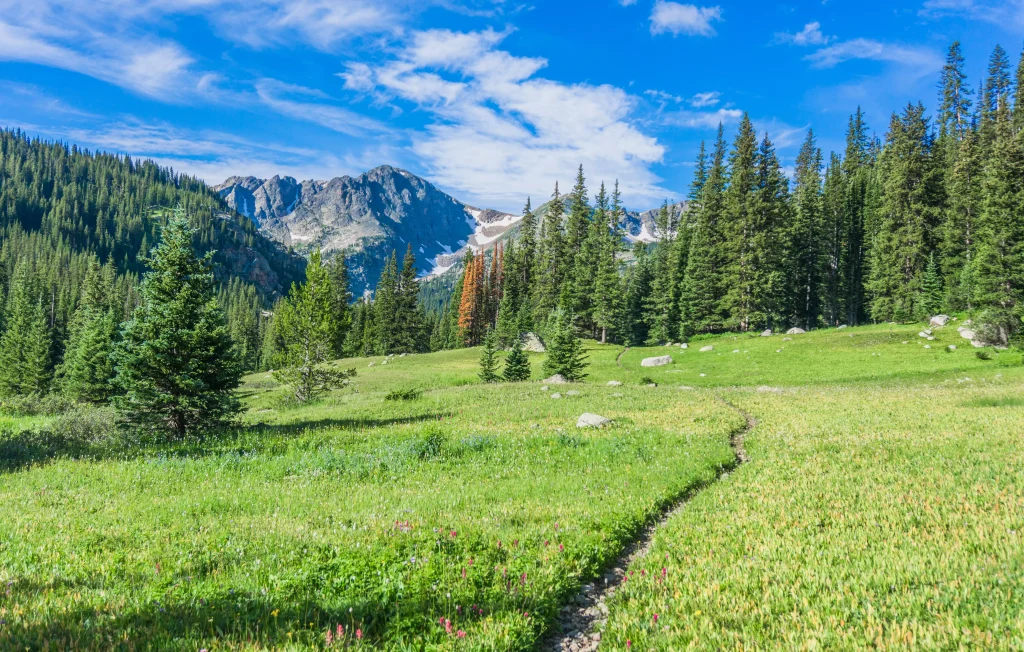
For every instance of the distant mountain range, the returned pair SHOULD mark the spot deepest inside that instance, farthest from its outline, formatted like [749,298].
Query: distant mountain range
[385,209]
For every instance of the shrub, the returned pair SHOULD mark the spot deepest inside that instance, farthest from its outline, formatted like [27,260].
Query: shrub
[983,355]
[403,395]
[36,405]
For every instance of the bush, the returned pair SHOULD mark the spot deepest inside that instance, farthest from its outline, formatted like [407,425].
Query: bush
[983,355]
[430,445]
[403,395]
[34,405]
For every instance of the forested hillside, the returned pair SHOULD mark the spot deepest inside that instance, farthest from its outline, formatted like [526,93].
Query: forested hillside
[928,219]
[65,211]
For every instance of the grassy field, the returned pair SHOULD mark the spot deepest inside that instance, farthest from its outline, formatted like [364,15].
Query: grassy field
[882,507]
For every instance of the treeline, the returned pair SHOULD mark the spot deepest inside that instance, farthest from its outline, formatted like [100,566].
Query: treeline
[75,230]
[928,219]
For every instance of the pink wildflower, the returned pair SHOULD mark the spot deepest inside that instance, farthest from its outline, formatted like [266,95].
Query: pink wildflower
[447,626]
[655,619]
[359,634]
[461,634]
[561,547]
[463,573]
[629,643]
[330,638]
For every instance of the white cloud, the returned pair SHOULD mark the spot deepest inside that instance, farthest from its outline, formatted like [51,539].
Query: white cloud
[676,19]
[1005,13]
[627,3]
[498,132]
[701,100]
[282,98]
[828,57]
[701,119]
[810,35]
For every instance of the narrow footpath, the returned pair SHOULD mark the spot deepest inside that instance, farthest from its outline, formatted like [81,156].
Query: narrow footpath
[581,622]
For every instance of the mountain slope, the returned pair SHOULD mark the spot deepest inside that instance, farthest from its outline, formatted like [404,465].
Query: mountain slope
[366,217]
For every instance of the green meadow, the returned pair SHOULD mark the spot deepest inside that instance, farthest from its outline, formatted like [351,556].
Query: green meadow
[420,509]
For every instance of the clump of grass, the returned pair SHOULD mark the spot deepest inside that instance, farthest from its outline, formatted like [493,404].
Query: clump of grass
[983,355]
[403,395]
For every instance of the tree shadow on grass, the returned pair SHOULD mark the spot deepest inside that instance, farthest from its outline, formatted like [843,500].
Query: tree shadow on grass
[29,448]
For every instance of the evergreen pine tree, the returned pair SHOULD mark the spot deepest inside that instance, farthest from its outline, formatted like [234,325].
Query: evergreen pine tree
[565,355]
[25,344]
[806,265]
[87,368]
[769,216]
[410,333]
[931,288]
[738,227]
[308,328]
[175,363]
[341,299]
[517,363]
[551,258]
[489,358]
[387,309]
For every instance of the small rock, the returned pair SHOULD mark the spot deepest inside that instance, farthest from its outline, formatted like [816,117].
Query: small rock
[544,388]
[557,379]
[556,395]
[703,375]
[951,347]
[839,328]
[659,361]
[767,333]
[931,338]
[922,334]
[402,356]
[735,350]
[572,393]
[686,388]
[787,339]
[616,395]
[371,364]
[927,346]
[652,385]
[795,331]
[778,350]
[939,321]
[684,346]
[764,389]
[614,383]
[707,349]
[588,420]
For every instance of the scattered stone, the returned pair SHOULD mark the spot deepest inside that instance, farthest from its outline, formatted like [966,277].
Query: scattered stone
[764,389]
[651,385]
[614,383]
[927,346]
[922,334]
[778,350]
[371,364]
[951,347]
[795,331]
[686,388]
[839,328]
[703,375]
[557,379]
[787,339]
[931,338]
[556,395]
[616,395]
[939,321]
[767,333]
[572,393]
[402,356]
[707,348]
[544,388]
[533,344]
[659,361]
[735,350]
[684,345]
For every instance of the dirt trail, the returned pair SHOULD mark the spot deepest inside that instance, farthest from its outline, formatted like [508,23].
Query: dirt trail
[582,620]
[618,358]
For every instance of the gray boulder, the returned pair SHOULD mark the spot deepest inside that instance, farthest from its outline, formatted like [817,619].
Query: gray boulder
[684,346]
[795,331]
[533,344]
[707,349]
[766,333]
[588,420]
[557,379]
[659,361]
[556,395]
[614,383]
[938,321]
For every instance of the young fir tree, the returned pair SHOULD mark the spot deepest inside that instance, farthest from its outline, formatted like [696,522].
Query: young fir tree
[489,358]
[25,345]
[769,216]
[960,223]
[931,288]
[87,368]
[856,172]
[306,321]
[410,331]
[517,363]
[551,259]
[175,364]
[995,92]
[565,351]
[387,309]
[608,297]
[573,292]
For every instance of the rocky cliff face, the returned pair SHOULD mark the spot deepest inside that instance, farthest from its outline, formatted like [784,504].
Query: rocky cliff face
[366,217]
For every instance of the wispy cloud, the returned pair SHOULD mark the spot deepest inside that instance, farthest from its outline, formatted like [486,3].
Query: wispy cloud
[918,57]
[314,106]
[811,34]
[701,100]
[675,18]
[1006,13]
[498,131]
[701,119]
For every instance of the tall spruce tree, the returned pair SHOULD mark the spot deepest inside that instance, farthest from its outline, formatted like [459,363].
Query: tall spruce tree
[175,364]
[341,299]
[517,363]
[87,368]
[489,358]
[806,237]
[565,354]
[769,217]
[551,259]
[25,344]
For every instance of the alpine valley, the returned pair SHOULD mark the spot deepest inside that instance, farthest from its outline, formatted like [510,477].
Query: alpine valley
[387,209]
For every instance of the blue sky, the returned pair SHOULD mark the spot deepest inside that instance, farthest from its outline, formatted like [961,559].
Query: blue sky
[492,100]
